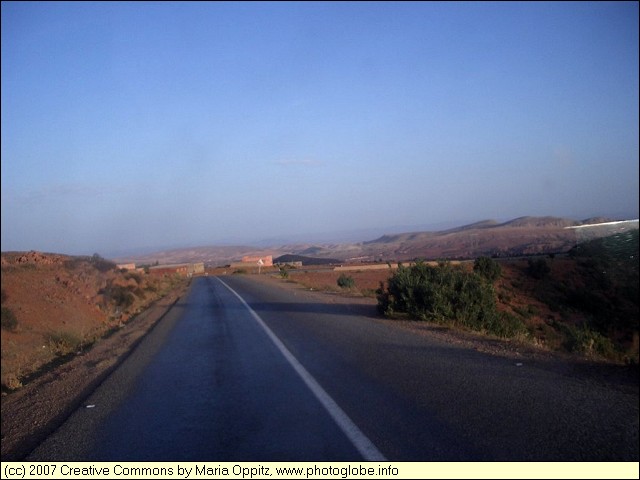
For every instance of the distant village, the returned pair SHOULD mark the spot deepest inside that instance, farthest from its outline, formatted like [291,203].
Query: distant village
[192,269]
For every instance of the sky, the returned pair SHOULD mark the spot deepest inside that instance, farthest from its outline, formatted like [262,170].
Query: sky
[142,125]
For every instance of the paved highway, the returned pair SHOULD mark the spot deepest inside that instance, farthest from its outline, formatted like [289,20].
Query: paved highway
[243,370]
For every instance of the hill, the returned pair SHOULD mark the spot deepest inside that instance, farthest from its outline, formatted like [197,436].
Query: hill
[584,303]
[56,305]
[53,305]
[518,237]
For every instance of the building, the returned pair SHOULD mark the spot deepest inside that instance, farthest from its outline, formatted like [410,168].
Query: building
[254,261]
[126,266]
[267,260]
[184,269]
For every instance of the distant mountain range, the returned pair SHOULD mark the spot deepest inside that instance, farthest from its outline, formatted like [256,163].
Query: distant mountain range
[521,236]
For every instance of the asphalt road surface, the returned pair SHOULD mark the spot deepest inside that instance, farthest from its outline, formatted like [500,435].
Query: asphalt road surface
[243,370]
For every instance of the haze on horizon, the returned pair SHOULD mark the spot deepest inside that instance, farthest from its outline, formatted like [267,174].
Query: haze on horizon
[175,124]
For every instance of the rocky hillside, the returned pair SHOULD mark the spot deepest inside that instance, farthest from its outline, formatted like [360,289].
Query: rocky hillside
[56,305]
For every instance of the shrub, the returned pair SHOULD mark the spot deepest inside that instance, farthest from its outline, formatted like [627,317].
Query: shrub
[9,320]
[345,281]
[119,295]
[63,343]
[581,339]
[487,268]
[284,273]
[11,382]
[445,294]
[135,275]
[538,268]
[101,264]
[507,325]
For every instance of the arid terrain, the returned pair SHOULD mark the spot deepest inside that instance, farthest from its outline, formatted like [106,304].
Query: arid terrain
[522,236]
[68,321]
[56,305]
[538,302]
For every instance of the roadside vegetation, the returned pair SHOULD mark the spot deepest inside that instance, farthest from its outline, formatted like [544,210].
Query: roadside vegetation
[586,304]
[449,294]
[345,281]
[9,320]
[55,306]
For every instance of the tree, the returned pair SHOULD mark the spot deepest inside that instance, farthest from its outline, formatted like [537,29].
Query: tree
[101,264]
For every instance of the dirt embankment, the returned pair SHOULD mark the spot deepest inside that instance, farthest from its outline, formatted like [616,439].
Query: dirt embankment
[54,306]
[34,411]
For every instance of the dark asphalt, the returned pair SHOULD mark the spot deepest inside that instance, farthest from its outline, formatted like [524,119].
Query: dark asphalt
[209,384]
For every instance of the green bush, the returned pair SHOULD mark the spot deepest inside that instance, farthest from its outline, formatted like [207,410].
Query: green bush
[445,294]
[506,325]
[487,268]
[581,339]
[345,281]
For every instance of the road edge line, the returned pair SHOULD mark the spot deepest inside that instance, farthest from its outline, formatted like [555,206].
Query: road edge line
[359,440]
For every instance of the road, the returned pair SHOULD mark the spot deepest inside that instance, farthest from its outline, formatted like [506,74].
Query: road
[244,370]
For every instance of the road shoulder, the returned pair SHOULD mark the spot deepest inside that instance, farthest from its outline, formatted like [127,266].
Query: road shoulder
[623,377]
[32,413]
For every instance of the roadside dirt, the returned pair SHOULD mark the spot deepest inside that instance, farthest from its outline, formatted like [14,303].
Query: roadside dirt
[322,286]
[34,411]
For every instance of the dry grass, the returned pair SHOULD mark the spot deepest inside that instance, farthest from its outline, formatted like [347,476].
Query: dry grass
[61,305]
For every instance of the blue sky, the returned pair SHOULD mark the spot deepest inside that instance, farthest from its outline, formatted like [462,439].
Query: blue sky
[153,125]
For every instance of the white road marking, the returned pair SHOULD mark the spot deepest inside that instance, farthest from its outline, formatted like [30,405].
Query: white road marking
[350,429]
